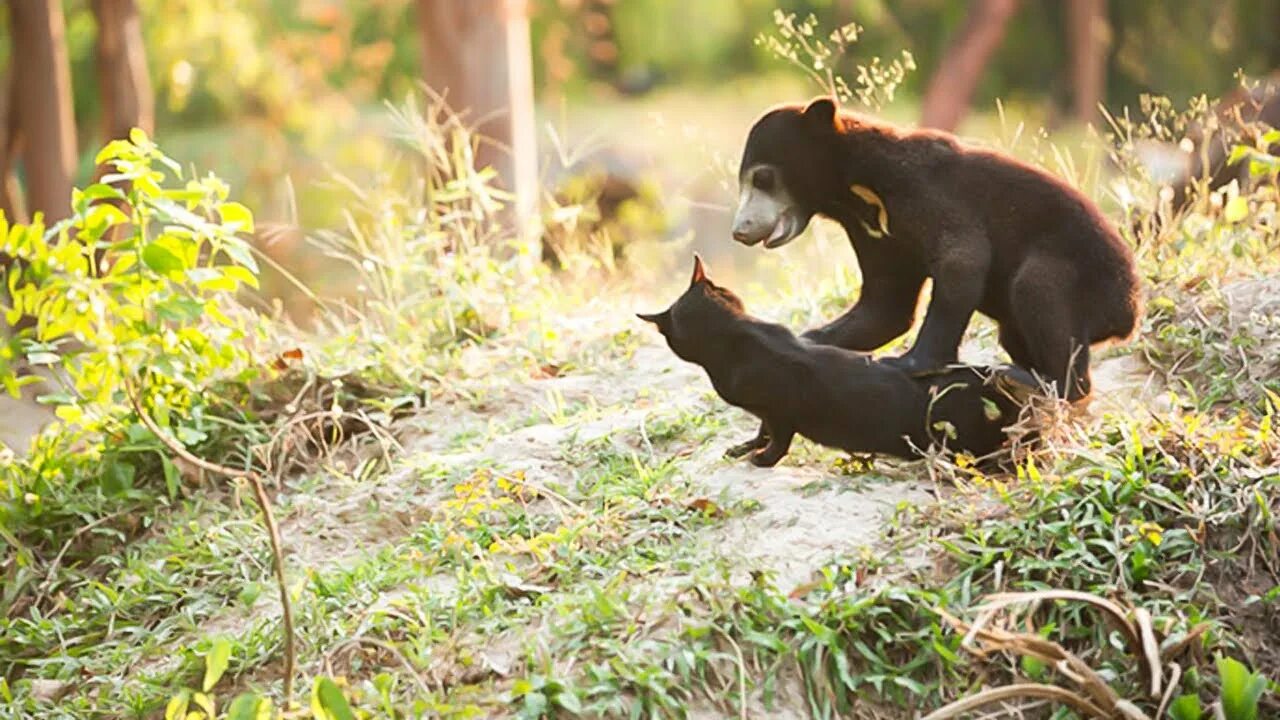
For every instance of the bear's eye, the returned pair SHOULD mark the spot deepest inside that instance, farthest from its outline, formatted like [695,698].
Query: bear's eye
[763,179]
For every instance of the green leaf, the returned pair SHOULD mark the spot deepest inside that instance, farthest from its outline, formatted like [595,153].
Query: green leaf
[190,436]
[328,703]
[248,706]
[216,662]
[569,701]
[1237,209]
[177,707]
[249,594]
[240,252]
[220,283]
[1260,164]
[235,213]
[170,474]
[1238,153]
[161,259]
[913,685]
[206,704]
[535,705]
[114,150]
[102,216]
[241,274]
[1241,689]
[990,410]
[1186,707]
[1032,667]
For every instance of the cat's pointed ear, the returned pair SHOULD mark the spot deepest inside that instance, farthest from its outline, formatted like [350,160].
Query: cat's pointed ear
[662,319]
[699,272]
[821,112]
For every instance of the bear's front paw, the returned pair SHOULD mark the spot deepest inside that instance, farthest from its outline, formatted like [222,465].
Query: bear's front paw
[765,459]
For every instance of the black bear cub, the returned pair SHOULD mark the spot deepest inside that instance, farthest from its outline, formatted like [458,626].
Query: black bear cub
[835,397]
[996,236]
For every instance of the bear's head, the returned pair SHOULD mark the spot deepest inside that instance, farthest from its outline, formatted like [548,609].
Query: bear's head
[697,324]
[791,157]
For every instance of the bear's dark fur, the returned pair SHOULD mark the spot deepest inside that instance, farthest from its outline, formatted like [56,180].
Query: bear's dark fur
[995,234]
[832,396]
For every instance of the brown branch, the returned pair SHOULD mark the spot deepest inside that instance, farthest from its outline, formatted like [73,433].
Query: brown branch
[269,519]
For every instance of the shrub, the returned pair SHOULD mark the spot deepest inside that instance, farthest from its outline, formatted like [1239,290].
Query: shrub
[132,296]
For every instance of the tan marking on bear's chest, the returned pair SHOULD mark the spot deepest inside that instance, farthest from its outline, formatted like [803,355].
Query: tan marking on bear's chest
[871,198]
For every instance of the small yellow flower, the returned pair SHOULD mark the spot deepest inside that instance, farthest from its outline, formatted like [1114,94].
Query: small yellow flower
[1152,532]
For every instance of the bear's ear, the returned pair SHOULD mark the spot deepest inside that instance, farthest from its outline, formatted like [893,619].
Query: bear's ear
[821,112]
[699,273]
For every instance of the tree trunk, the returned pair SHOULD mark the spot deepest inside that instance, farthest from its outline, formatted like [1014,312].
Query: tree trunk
[950,90]
[477,53]
[1089,37]
[10,193]
[123,81]
[42,99]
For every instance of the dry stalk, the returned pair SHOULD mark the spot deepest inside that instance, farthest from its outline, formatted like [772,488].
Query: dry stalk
[273,530]
[1095,698]
[1138,632]
[1013,692]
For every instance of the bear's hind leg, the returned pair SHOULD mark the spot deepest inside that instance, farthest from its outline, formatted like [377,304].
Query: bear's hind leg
[1051,330]
[1012,342]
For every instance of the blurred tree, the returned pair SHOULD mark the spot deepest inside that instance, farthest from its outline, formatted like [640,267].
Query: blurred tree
[477,53]
[41,128]
[10,193]
[956,77]
[950,91]
[1089,36]
[951,88]
[123,81]
[602,39]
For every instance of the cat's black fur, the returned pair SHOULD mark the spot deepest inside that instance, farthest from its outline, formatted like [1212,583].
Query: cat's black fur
[835,397]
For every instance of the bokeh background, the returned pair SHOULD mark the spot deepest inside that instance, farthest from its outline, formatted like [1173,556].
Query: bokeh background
[640,104]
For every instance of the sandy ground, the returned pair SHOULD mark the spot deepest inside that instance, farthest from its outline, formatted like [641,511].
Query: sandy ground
[22,417]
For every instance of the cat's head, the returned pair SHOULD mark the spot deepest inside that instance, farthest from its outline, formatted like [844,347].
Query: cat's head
[695,325]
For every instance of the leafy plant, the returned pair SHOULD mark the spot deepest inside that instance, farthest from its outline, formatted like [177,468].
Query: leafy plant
[133,294]
[328,702]
[1241,689]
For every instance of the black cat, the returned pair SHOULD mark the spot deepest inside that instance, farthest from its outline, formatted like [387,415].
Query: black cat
[835,397]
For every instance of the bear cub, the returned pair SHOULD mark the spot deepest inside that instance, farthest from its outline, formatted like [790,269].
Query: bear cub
[835,397]
[996,236]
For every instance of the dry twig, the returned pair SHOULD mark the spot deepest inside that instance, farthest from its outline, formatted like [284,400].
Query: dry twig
[273,530]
